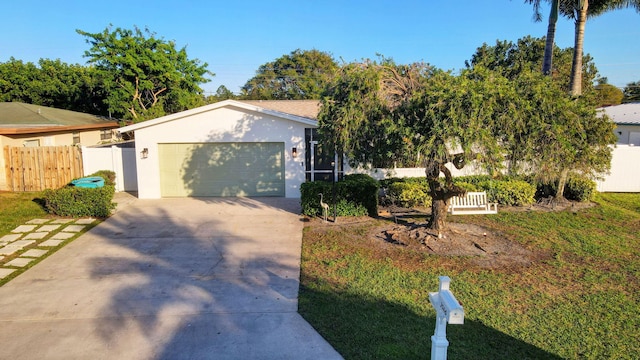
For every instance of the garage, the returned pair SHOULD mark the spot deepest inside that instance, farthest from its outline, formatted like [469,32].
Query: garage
[222,169]
[228,148]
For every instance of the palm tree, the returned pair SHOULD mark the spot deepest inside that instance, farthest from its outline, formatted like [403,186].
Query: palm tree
[580,10]
[551,32]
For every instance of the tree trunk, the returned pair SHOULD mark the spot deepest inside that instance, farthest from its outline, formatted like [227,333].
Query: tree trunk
[576,67]
[562,181]
[438,216]
[551,34]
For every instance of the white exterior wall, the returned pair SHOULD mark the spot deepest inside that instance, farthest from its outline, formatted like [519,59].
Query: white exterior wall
[625,171]
[122,161]
[225,124]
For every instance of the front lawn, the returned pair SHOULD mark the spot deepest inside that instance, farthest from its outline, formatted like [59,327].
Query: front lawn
[578,298]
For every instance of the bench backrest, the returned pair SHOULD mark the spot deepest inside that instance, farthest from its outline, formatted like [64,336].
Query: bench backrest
[471,199]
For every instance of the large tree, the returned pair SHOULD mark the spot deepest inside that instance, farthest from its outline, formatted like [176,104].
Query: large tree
[632,92]
[302,74]
[145,76]
[52,83]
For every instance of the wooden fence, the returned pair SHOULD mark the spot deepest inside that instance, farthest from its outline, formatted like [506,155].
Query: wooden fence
[39,168]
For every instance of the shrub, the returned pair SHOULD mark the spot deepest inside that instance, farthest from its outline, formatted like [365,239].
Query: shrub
[78,201]
[579,188]
[409,194]
[354,193]
[510,192]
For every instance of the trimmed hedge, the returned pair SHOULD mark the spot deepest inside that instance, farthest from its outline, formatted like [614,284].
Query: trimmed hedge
[77,201]
[410,192]
[356,195]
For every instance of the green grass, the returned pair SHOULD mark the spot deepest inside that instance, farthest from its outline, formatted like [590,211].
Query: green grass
[16,208]
[580,298]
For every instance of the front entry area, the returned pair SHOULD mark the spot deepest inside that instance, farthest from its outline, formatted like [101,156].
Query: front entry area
[222,169]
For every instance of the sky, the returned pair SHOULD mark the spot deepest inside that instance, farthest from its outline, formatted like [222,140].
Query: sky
[235,37]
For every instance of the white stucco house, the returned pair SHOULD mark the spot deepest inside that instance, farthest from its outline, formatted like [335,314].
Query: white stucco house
[229,148]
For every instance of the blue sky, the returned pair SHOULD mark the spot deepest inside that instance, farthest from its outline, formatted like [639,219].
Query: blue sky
[236,37]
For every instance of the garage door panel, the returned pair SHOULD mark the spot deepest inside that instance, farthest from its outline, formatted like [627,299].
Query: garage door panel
[222,169]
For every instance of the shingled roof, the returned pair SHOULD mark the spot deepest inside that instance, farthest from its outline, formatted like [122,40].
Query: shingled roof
[16,117]
[304,108]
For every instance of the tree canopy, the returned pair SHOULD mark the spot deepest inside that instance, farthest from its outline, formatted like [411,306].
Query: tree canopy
[300,75]
[632,92]
[421,116]
[144,76]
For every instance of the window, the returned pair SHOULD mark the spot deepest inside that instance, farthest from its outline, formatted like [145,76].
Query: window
[105,134]
[76,138]
[31,143]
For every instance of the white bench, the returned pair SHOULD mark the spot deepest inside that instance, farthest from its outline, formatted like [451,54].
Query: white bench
[472,203]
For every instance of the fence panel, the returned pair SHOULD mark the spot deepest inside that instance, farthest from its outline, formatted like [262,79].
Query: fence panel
[39,168]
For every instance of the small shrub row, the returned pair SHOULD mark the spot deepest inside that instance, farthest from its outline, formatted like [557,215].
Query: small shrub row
[356,195]
[577,188]
[77,201]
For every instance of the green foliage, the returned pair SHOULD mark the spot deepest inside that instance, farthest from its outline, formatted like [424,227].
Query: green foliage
[78,201]
[354,193]
[632,92]
[509,192]
[303,74]
[53,83]
[409,194]
[144,76]
[608,95]
[108,176]
[578,188]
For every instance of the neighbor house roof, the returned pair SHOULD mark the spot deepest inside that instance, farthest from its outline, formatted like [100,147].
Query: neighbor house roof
[624,114]
[301,111]
[21,118]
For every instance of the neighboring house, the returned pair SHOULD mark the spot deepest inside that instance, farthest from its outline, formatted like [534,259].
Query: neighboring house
[27,125]
[229,148]
[625,172]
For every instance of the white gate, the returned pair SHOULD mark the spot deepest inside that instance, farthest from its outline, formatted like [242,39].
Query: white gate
[121,160]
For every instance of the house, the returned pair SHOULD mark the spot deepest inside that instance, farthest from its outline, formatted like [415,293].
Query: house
[230,148]
[27,125]
[625,172]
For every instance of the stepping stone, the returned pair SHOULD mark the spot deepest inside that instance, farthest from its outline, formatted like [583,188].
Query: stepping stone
[24,228]
[8,250]
[10,238]
[49,227]
[19,262]
[61,221]
[36,235]
[63,236]
[85,221]
[21,243]
[50,243]
[38,221]
[5,272]
[73,228]
[35,253]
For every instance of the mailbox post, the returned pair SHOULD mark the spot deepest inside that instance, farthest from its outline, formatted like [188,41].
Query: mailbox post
[448,310]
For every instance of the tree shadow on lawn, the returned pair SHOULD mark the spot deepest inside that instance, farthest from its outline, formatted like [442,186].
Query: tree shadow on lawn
[345,320]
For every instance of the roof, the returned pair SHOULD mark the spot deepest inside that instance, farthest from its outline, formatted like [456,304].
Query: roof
[301,111]
[21,118]
[624,114]
[304,108]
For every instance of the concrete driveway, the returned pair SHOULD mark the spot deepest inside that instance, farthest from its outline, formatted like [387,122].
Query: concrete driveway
[168,279]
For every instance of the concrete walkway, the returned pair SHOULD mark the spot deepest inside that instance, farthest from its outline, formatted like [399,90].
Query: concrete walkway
[168,279]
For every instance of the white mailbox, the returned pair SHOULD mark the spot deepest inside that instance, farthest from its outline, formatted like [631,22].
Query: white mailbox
[448,310]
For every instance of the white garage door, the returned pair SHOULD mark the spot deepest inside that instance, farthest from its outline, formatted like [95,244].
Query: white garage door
[222,169]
